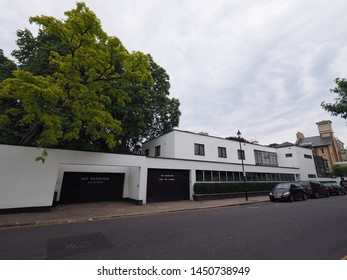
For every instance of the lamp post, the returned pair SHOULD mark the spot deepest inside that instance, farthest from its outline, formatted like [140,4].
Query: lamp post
[243,166]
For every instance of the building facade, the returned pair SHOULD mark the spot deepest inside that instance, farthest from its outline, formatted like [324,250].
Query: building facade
[168,169]
[261,163]
[326,148]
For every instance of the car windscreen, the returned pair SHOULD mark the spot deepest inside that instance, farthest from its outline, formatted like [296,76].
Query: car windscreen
[282,187]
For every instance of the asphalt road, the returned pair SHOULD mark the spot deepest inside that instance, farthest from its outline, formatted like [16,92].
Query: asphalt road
[313,229]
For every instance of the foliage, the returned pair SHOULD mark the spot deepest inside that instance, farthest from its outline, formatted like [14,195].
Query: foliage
[340,171]
[340,105]
[6,67]
[235,138]
[33,54]
[149,112]
[210,188]
[273,145]
[86,89]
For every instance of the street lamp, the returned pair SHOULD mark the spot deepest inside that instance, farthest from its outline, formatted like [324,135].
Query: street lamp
[243,166]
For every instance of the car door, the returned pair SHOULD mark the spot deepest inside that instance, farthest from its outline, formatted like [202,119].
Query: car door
[296,191]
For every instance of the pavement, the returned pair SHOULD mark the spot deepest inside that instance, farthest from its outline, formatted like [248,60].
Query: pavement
[72,213]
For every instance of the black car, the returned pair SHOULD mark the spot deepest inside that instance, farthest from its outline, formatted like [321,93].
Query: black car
[314,189]
[335,189]
[343,184]
[287,191]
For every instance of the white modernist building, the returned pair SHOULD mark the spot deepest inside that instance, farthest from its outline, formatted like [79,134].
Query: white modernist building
[168,169]
[220,155]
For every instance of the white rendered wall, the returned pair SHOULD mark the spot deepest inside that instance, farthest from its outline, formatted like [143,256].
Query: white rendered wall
[184,148]
[298,159]
[184,141]
[26,183]
[167,145]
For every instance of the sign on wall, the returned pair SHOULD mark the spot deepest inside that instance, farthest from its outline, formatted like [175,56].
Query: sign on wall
[80,187]
[167,185]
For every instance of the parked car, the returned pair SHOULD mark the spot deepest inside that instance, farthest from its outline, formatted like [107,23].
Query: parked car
[335,189]
[314,189]
[343,183]
[287,191]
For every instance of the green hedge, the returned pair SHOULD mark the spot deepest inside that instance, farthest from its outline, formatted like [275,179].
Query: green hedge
[210,188]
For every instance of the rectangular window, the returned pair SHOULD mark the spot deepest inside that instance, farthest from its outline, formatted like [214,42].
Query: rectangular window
[223,176]
[308,156]
[208,176]
[238,176]
[312,176]
[241,154]
[215,175]
[230,177]
[157,151]
[265,158]
[199,149]
[222,152]
[199,175]
[147,152]
[289,155]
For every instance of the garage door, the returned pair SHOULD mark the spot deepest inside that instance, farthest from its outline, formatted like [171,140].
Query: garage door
[78,187]
[167,185]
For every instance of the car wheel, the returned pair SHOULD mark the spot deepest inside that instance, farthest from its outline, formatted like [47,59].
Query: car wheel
[316,195]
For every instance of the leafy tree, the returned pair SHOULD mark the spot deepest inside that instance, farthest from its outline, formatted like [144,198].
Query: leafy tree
[235,138]
[34,52]
[142,105]
[149,112]
[71,104]
[6,71]
[340,105]
[274,145]
[340,171]
[6,67]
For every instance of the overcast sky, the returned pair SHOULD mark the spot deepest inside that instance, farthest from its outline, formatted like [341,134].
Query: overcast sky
[259,66]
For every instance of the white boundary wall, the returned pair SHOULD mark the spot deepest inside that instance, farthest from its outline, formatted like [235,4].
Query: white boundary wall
[26,183]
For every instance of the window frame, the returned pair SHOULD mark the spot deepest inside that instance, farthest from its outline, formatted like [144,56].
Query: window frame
[199,149]
[222,152]
[241,154]
[157,151]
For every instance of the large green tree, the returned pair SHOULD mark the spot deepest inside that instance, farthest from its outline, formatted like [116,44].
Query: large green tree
[70,105]
[340,105]
[103,95]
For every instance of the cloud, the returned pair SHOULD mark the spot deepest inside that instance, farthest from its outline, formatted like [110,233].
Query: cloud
[261,66]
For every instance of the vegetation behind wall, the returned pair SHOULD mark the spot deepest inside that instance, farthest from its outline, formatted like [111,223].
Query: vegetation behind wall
[211,188]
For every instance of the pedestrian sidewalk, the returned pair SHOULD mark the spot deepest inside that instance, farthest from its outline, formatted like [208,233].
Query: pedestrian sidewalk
[71,213]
